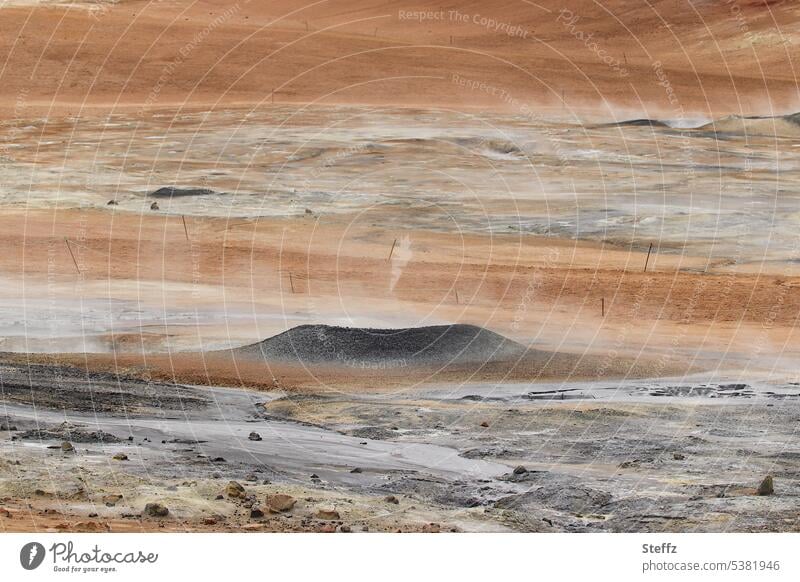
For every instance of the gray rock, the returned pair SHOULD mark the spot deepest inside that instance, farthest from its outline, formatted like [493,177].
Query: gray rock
[766,487]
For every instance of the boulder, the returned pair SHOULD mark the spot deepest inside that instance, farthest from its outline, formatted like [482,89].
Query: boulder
[120,457]
[155,510]
[235,490]
[67,447]
[254,436]
[256,513]
[327,513]
[111,499]
[279,502]
[766,487]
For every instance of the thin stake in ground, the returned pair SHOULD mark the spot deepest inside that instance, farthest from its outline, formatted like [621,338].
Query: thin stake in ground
[291,282]
[185,230]
[647,260]
[458,302]
[391,252]
[603,306]
[77,268]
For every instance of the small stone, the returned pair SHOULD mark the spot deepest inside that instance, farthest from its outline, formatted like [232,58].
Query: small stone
[218,497]
[92,514]
[120,457]
[327,528]
[485,424]
[344,528]
[252,478]
[155,510]
[280,502]
[309,211]
[766,487]
[314,476]
[356,470]
[678,456]
[209,521]
[391,499]
[112,203]
[520,470]
[234,489]
[431,528]
[154,206]
[328,513]
[254,436]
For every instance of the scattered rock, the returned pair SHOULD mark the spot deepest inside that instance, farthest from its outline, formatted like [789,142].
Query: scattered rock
[112,203]
[391,499]
[254,436]
[356,470]
[235,490]
[431,528]
[344,528]
[67,447]
[280,502]
[256,513]
[327,528]
[5,513]
[766,487]
[209,521]
[520,470]
[154,206]
[251,478]
[155,510]
[327,513]
[485,424]
[120,457]
[678,456]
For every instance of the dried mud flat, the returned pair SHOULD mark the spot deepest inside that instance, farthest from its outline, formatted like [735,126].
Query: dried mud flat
[609,456]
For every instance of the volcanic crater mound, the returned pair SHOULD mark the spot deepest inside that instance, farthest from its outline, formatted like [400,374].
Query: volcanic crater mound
[431,345]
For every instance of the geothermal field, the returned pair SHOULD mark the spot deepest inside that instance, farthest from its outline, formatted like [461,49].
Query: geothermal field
[352,268]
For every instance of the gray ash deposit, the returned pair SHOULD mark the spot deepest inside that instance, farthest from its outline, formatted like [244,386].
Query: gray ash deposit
[171,192]
[363,347]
